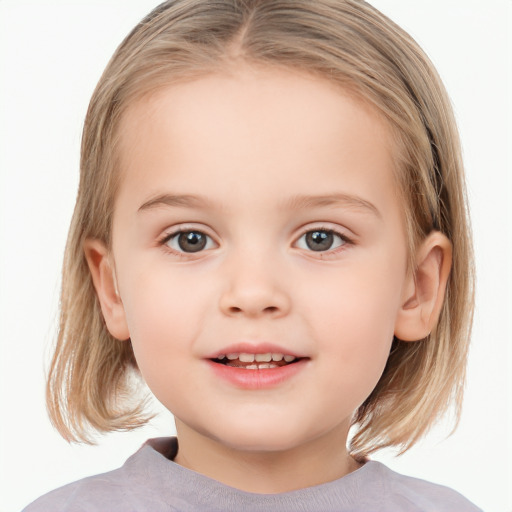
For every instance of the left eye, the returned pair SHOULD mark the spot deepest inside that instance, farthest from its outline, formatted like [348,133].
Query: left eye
[321,240]
[189,241]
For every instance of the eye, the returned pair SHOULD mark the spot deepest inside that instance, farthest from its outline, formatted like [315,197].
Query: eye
[188,241]
[321,240]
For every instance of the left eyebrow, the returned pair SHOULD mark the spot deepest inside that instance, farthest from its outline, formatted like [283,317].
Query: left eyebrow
[311,201]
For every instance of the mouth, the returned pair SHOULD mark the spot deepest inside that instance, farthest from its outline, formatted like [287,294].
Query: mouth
[253,366]
[263,361]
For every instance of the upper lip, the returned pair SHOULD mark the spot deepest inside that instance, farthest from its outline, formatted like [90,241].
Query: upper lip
[246,347]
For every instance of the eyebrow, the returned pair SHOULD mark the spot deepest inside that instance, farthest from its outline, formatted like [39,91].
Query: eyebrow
[184,201]
[311,201]
[297,202]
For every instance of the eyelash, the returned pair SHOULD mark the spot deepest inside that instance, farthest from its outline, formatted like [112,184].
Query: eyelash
[345,240]
[170,236]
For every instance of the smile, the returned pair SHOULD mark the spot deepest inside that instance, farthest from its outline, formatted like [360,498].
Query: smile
[249,361]
[256,371]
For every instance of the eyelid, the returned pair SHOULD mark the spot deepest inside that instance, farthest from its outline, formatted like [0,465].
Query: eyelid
[183,228]
[337,231]
[170,233]
[186,226]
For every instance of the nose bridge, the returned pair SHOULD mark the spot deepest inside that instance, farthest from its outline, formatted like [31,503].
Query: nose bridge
[253,282]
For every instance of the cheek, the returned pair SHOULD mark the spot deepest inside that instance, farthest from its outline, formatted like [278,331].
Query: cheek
[358,310]
[361,301]
[162,314]
[354,347]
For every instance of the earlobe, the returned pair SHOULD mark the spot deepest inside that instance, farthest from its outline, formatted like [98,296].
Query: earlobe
[105,284]
[425,288]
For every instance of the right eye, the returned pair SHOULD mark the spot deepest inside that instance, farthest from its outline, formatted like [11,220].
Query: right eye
[188,241]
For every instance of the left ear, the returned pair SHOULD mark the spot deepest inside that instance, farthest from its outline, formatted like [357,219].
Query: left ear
[425,288]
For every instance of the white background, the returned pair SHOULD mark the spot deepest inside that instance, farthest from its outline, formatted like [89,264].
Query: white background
[51,56]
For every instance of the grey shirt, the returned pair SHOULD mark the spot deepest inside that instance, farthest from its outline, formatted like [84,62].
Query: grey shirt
[150,481]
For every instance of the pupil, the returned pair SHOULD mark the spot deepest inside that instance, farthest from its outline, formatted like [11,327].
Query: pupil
[319,240]
[191,241]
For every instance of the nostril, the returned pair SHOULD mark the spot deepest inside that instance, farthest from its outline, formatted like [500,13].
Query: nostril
[269,309]
[253,302]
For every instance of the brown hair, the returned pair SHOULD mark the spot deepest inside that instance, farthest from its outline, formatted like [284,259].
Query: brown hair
[349,43]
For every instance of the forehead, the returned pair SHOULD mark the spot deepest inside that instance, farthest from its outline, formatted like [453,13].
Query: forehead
[282,126]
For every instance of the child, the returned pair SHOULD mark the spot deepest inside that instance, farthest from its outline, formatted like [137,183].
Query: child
[271,231]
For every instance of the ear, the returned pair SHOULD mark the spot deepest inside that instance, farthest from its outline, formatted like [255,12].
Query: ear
[425,288]
[104,279]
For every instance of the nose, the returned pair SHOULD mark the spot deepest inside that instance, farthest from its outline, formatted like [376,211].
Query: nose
[254,289]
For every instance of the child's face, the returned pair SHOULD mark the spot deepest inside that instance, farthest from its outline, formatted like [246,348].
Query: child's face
[285,186]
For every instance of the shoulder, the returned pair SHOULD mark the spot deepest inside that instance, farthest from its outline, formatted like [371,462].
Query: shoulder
[410,494]
[126,489]
[84,495]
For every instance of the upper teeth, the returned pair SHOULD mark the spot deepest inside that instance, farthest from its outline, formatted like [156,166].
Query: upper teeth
[249,358]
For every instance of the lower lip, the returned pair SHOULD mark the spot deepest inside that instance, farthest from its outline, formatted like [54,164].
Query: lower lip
[257,379]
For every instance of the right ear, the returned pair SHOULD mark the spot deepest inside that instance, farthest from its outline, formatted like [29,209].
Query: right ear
[105,283]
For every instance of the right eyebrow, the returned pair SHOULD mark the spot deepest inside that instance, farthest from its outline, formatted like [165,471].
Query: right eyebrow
[184,201]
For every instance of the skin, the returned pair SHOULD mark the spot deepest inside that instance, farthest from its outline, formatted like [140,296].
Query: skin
[251,141]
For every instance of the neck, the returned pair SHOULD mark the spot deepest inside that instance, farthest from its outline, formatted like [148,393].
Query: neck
[318,461]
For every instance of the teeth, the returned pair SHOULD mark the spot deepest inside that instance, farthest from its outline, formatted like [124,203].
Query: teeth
[262,366]
[267,366]
[247,358]
[263,357]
